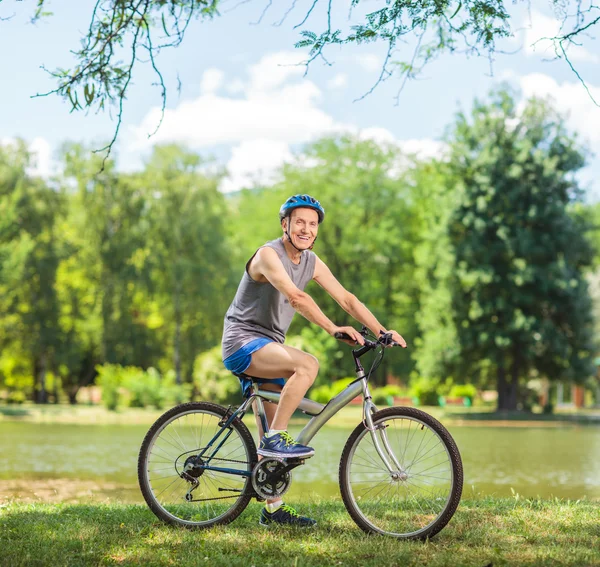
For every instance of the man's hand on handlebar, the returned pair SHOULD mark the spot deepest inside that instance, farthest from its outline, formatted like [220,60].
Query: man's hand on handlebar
[355,336]
[397,338]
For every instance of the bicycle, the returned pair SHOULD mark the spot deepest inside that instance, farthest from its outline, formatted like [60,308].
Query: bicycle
[400,473]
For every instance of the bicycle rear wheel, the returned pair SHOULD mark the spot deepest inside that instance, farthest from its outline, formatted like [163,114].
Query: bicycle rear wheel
[172,461]
[414,501]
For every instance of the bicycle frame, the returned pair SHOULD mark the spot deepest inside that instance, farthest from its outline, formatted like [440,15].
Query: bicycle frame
[321,414]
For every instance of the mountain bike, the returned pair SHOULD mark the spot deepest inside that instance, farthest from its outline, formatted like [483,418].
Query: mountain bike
[400,473]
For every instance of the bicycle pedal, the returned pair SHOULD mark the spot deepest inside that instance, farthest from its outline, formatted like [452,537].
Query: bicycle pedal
[295,461]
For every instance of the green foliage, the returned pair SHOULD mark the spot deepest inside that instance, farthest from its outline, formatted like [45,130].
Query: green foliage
[213,382]
[503,253]
[324,393]
[426,390]
[110,381]
[138,388]
[380,397]
[463,391]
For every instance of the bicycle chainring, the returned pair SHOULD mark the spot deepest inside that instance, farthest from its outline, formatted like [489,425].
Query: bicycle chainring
[270,479]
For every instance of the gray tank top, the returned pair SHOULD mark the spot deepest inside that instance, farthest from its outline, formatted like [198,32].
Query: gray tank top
[258,310]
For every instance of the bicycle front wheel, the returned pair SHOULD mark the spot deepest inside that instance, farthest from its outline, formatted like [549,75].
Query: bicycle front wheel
[193,471]
[420,495]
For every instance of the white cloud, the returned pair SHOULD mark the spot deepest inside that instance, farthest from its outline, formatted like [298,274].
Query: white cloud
[274,69]
[381,136]
[541,27]
[423,148]
[236,86]
[368,62]
[211,81]
[278,104]
[255,162]
[275,108]
[41,163]
[338,82]
[583,116]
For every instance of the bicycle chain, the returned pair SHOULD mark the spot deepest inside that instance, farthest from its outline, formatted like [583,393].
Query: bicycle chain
[229,460]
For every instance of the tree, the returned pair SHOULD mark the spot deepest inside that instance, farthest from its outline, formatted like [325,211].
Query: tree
[509,296]
[187,252]
[29,258]
[101,77]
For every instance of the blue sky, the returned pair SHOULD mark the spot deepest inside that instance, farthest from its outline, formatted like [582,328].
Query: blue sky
[244,102]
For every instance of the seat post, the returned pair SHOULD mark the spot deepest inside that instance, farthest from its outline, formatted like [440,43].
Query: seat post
[259,408]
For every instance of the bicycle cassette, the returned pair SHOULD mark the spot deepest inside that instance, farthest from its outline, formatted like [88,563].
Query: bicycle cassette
[270,479]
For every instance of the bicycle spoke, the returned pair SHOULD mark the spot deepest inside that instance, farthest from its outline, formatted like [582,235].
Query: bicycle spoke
[408,501]
[182,440]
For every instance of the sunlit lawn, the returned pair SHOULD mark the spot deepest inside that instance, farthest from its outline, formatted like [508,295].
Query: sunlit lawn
[492,531]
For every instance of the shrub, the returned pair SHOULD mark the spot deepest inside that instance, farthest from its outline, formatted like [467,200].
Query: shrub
[426,390]
[381,397]
[16,397]
[109,379]
[463,391]
[213,381]
[321,394]
[139,388]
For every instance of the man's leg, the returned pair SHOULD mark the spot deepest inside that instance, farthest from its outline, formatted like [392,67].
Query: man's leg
[280,361]
[270,409]
[275,360]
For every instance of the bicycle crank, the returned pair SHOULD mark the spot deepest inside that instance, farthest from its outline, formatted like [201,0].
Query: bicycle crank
[271,477]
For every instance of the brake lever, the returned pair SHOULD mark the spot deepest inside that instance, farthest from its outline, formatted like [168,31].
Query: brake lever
[385,339]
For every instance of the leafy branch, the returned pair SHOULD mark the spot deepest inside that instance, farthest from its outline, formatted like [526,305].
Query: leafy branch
[121,30]
[118,32]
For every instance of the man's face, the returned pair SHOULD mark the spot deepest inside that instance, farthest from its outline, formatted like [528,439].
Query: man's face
[303,227]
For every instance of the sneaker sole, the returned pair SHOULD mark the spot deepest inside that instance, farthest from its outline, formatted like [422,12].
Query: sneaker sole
[276,525]
[267,453]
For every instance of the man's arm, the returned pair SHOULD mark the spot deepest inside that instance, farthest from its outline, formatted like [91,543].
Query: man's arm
[349,302]
[267,263]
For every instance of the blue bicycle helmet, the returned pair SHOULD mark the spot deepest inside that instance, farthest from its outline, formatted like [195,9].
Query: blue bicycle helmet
[297,201]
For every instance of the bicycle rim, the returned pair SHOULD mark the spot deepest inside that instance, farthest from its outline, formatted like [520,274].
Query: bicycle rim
[219,496]
[416,505]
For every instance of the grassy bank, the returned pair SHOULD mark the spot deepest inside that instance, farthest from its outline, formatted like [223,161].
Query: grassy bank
[492,531]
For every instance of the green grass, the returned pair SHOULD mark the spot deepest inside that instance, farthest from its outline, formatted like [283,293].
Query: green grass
[498,531]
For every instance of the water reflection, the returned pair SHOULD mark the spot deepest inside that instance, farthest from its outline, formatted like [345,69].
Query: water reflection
[75,462]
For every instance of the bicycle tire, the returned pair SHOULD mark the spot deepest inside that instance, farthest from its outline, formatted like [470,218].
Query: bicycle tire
[182,512]
[397,491]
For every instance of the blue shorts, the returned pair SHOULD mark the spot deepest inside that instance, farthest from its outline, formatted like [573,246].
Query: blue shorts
[239,361]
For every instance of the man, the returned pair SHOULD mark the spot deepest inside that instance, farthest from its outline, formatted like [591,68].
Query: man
[270,292]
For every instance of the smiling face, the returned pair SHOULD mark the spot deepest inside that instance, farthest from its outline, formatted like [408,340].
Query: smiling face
[303,227]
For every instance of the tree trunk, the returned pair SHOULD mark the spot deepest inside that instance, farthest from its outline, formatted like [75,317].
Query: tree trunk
[513,395]
[42,394]
[501,385]
[87,380]
[177,340]
[507,390]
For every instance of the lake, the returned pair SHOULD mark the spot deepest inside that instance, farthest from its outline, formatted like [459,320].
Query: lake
[82,462]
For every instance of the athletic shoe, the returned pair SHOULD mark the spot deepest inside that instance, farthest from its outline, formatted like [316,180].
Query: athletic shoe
[285,516]
[282,445]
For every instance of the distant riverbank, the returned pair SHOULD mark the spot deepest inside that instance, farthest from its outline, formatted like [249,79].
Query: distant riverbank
[350,415]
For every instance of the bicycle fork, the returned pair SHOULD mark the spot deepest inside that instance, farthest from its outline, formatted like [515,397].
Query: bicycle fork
[378,434]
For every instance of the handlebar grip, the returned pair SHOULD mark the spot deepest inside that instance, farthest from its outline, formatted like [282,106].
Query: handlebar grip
[343,336]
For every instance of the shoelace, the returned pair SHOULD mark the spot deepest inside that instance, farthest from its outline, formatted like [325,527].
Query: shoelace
[290,511]
[289,440]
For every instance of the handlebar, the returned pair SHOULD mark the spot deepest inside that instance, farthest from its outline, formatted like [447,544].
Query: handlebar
[384,340]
